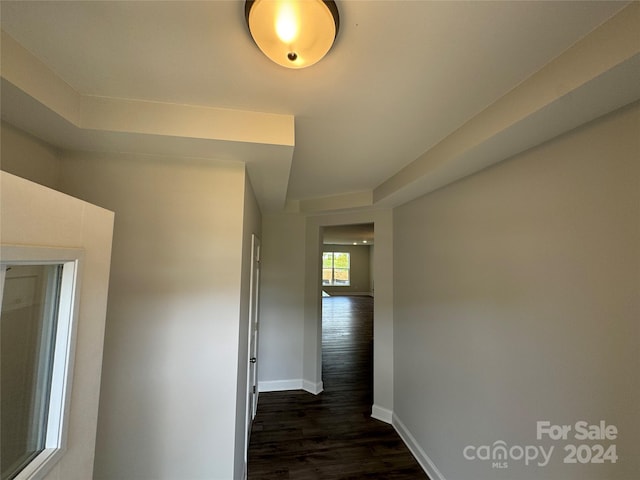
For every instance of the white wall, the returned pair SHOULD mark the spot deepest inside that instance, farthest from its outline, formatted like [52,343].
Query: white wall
[28,157]
[168,400]
[282,302]
[34,215]
[516,300]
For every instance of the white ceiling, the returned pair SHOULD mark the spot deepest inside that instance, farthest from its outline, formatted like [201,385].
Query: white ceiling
[401,77]
[360,234]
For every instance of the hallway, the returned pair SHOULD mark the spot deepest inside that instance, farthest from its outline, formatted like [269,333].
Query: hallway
[300,436]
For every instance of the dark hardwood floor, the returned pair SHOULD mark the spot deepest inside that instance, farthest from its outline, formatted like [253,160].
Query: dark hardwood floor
[300,436]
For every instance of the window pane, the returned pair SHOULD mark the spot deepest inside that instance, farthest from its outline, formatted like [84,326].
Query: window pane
[327,260]
[341,260]
[28,321]
[341,276]
[326,276]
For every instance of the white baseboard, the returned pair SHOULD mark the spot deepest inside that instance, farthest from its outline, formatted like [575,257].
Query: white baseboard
[423,459]
[280,385]
[291,384]
[383,414]
[311,387]
[352,294]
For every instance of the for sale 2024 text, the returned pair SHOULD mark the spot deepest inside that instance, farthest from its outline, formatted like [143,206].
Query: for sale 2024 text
[582,431]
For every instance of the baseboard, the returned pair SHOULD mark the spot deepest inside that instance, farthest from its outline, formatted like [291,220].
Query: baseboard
[280,385]
[351,294]
[423,459]
[383,414]
[311,387]
[291,384]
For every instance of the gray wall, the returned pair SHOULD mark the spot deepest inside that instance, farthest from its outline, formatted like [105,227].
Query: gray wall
[516,300]
[360,275]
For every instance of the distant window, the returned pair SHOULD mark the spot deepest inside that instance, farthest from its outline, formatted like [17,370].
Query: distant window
[336,268]
[36,348]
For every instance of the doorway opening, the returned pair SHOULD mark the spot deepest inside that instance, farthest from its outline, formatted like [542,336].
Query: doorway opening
[347,312]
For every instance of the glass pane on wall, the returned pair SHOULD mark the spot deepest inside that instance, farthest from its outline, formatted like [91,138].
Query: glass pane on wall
[28,324]
[341,260]
[327,260]
[335,268]
[326,276]
[341,276]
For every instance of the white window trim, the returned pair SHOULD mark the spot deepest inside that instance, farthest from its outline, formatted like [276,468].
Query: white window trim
[63,360]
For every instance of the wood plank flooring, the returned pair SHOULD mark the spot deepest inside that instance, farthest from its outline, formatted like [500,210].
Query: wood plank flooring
[300,436]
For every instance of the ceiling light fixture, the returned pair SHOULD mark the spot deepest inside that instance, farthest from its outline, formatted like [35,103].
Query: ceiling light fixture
[293,33]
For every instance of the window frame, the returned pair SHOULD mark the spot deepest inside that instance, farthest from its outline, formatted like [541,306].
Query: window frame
[333,269]
[57,421]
